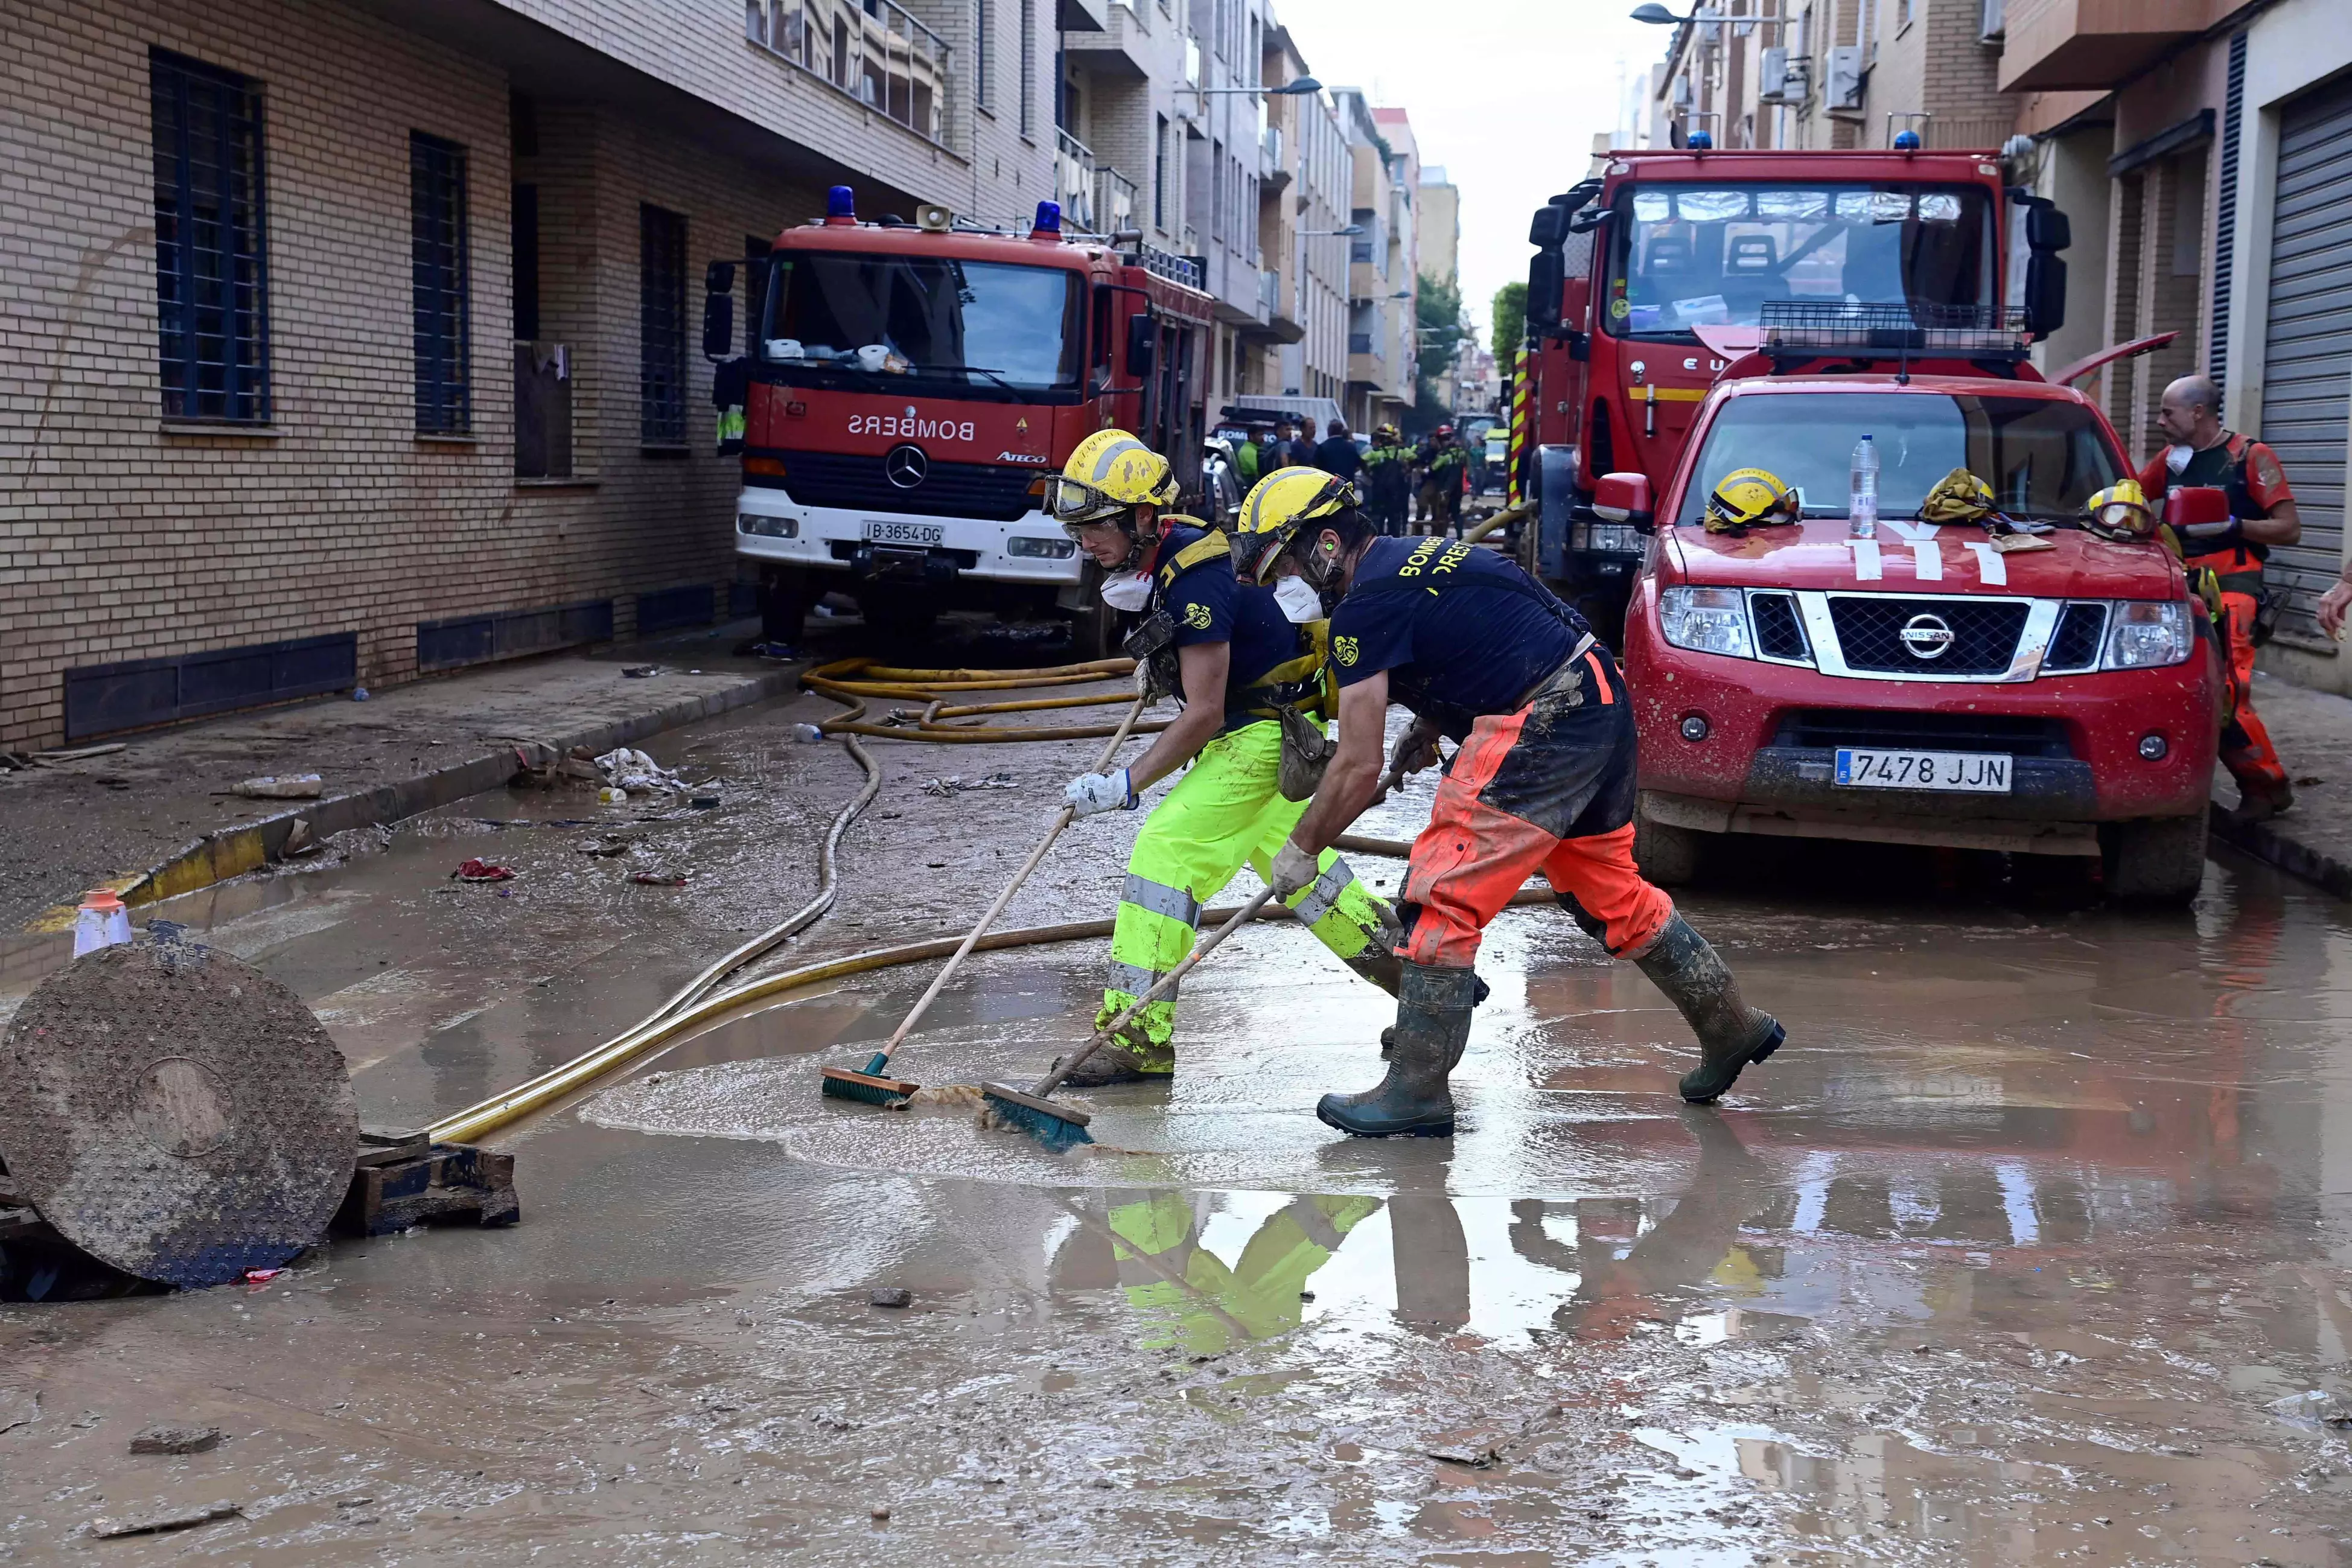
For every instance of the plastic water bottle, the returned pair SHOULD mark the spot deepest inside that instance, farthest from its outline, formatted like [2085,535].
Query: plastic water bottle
[102,921]
[1863,506]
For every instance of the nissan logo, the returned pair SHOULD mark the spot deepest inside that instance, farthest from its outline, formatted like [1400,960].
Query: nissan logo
[1926,636]
[906,465]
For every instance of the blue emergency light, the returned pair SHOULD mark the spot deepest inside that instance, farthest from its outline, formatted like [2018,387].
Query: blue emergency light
[1700,142]
[1906,141]
[841,202]
[1049,217]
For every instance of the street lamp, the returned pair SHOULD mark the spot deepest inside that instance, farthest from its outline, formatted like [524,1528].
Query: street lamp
[1351,232]
[1660,16]
[1298,86]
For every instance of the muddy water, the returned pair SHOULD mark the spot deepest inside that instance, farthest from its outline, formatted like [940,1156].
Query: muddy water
[2010,1257]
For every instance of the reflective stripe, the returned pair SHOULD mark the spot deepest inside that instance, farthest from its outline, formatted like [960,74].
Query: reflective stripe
[1112,453]
[1160,899]
[1134,979]
[1323,892]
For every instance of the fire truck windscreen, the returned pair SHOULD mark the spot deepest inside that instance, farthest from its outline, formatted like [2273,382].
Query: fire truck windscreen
[2046,457]
[862,319]
[1692,256]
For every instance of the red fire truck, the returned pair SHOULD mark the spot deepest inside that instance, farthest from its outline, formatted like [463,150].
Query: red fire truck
[913,383]
[1631,268]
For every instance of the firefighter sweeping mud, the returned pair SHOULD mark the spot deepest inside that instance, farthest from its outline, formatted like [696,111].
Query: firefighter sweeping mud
[1542,779]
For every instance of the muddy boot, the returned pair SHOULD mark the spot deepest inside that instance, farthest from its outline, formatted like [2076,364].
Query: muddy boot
[1433,1026]
[1387,1035]
[1730,1033]
[1109,1063]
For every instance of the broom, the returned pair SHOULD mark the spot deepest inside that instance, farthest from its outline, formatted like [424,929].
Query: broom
[868,1084]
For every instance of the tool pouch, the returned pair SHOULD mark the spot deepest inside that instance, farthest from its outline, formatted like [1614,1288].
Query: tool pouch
[2270,604]
[1152,645]
[1305,752]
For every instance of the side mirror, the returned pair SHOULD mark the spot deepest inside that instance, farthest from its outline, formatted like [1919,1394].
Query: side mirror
[1545,272]
[1623,498]
[1548,228]
[2047,228]
[1141,339]
[717,325]
[2196,506]
[2045,293]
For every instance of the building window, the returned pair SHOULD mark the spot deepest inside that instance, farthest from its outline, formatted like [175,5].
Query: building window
[524,237]
[212,295]
[983,53]
[1028,67]
[661,326]
[1159,173]
[439,284]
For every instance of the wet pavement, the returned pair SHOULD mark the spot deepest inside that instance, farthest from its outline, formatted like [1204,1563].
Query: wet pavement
[2011,1255]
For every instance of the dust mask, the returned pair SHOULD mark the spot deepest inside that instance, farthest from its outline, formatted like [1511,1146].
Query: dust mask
[2177,457]
[1128,591]
[1299,601]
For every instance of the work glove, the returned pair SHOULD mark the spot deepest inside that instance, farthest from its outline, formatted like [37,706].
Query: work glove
[1415,750]
[1294,870]
[1092,793]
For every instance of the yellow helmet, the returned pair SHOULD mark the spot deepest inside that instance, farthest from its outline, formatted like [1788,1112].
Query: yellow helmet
[2121,512]
[1277,509]
[1109,474]
[1958,497]
[1748,498]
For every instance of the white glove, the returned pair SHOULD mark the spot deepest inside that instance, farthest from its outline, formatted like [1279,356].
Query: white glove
[1294,869]
[1091,792]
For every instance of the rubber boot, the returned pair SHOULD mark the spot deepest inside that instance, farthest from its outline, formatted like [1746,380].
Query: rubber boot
[1433,1026]
[1387,1035]
[1109,1063]
[1730,1033]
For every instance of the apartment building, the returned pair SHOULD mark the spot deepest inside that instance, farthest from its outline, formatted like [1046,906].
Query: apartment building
[2196,146]
[1304,203]
[1382,257]
[351,341]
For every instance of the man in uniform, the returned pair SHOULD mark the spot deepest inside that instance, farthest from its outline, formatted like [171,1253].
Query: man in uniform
[2262,514]
[1442,465]
[1543,779]
[1388,480]
[1235,659]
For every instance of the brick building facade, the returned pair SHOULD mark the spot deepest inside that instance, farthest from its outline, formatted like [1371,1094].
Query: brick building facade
[296,296]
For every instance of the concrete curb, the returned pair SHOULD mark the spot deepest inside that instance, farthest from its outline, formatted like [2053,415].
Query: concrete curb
[2266,841]
[233,852]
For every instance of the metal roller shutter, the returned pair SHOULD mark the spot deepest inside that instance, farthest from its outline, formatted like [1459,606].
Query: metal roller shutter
[2307,353]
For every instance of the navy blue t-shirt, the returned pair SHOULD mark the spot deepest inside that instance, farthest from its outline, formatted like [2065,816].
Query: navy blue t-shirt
[1446,622]
[1209,605]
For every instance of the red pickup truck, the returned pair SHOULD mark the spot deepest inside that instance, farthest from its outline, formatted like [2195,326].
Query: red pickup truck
[1921,687]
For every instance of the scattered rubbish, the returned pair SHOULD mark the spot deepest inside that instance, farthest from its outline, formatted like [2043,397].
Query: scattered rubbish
[608,796]
[76,754]
[176,1440]
[879,1513]
[782,650]
[2308,780]
[636,773]
[18,1407]
[807,734]
[659,878]
[704,802]
[293,786]
[956,784]
[359,693]
[2317,1406]
[15,763]
[102,921]
[890,1296]
[483,871]
[575,765]
[607,847]
[641,671]
[111,780]
[1472,1455]
[744,1319]
[300,840]
[261,1276]
[157,1524]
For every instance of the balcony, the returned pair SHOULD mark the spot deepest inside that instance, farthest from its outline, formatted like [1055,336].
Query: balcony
[1272,174]
[1122,49]
[2049,44]
[1074,181]
[1115,201]
[871,50]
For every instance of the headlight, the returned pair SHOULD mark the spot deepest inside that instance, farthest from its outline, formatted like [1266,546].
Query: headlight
[772,527]
[2142,633]
[1040,548]
[1707,620]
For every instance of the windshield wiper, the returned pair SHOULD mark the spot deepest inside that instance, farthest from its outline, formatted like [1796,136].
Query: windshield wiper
[996,376]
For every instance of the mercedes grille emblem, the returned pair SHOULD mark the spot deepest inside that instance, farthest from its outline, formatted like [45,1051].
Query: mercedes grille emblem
[906,467]
[1926,636]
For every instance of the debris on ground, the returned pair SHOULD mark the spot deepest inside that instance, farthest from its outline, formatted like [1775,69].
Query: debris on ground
[292,786]
[300,840]
[636,773]
[2317,1406]
[641,671]
[807,734]
[176,1440]
[956,784]
[359,693]
[890,1296]
[18,1407]
[704,802]
[777,650]
[612,844]
[478,870]
[261,1276]
[75,753]
[575,766]
[659,878]
[157,1524]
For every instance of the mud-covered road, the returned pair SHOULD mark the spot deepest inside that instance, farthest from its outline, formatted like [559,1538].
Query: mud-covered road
[2019,1252]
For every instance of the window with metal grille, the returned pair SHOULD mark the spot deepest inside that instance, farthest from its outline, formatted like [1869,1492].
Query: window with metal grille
[2225,210]
[439,284]
[212,293]
[661,326]
[1160,172]
[983,53]
[1028,67]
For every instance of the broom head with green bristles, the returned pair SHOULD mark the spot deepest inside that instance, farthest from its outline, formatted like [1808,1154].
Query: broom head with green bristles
[844,1083]
[1058,1126]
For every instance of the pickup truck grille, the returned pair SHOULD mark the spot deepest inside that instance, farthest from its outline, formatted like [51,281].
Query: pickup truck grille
[982,490]
[1827,727]
[1870,629]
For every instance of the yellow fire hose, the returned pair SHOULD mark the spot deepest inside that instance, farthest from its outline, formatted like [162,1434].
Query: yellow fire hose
[851,682]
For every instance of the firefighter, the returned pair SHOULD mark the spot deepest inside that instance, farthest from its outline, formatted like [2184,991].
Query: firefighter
[1542,780]
[1240,665]
[2262,515]
[1388,480]
[1442,464]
